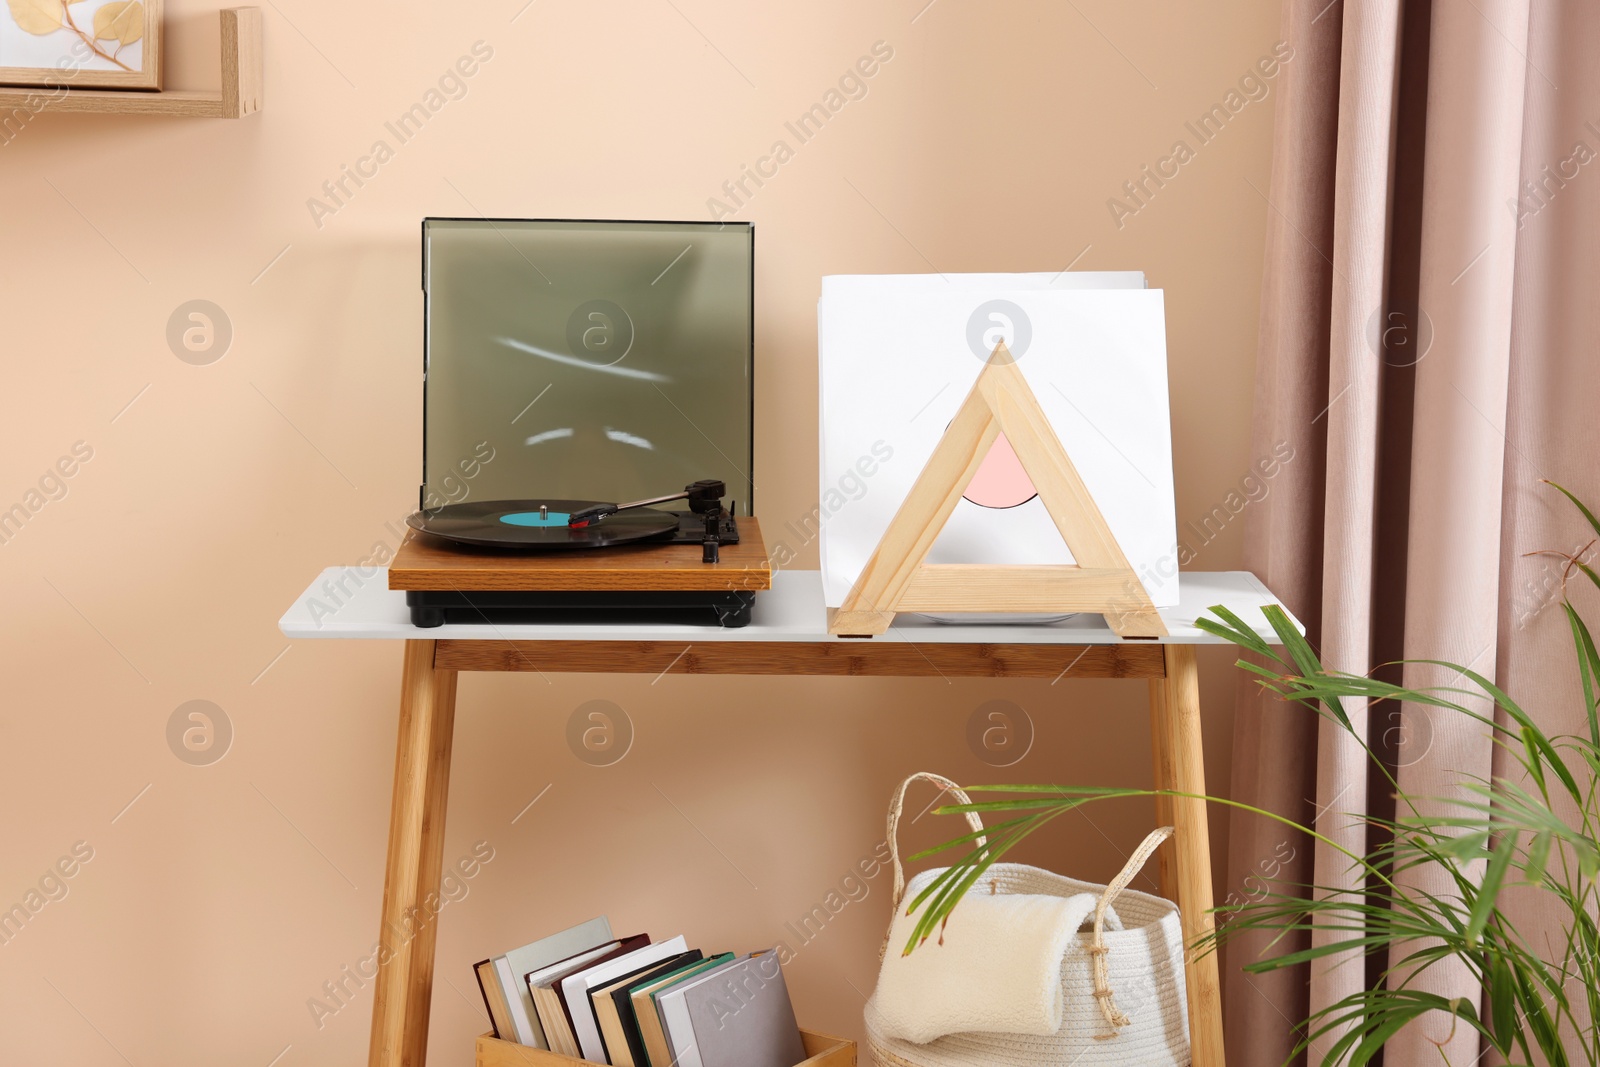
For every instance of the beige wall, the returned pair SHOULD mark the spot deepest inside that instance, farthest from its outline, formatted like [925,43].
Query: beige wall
[219,902]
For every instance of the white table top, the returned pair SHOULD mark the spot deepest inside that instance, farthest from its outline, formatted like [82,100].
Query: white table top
[353,602]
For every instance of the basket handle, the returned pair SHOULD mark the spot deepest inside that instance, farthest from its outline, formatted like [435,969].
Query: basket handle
[897,806]
[1097,947]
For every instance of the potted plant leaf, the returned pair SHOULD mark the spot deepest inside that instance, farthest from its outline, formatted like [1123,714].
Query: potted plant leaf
[1536,829]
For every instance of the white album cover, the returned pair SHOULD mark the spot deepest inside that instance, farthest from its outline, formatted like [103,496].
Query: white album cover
[898,355]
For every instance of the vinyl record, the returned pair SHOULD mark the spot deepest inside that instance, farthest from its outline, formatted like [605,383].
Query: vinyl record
[521,524]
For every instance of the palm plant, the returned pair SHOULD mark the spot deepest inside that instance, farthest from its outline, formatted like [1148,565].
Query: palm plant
[1536,830]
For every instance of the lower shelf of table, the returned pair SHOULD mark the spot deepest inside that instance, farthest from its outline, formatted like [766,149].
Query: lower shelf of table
[822,1050]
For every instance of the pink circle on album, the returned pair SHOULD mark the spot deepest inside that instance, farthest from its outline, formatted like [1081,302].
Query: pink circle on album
[1000,482]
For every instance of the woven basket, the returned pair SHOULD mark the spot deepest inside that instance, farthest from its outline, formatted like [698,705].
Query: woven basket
[1131,1012]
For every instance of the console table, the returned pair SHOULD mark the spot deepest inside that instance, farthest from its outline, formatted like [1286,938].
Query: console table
[789,636]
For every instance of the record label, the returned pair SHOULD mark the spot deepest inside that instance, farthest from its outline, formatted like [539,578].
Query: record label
[546,517]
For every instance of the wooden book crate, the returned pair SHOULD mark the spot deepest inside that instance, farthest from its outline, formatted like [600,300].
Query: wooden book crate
[822,1050]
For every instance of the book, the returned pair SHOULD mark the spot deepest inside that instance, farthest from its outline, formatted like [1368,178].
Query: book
[522,1020]
[734,1016]
[522,1028]
[657,1053]
[575,991]
[544,991]
[743,1017]
[494,999]
[611,1002]
[675,1024]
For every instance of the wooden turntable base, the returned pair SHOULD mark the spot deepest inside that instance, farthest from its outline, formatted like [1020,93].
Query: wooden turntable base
[425,563]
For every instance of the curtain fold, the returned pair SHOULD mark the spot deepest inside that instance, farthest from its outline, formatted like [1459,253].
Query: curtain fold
[1368,68]
[1427,347]
[1475,104]
[1261,1011]
[1551,427]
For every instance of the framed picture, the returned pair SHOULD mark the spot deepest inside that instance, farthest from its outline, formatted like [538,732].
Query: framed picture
[81,44]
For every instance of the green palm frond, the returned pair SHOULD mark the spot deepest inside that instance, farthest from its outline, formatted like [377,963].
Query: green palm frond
[1534,829]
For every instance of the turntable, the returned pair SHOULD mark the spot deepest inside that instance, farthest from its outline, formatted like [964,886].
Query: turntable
[567,363]
[579,561]
[557,525]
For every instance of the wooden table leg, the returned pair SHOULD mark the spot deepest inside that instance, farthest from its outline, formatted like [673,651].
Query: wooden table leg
[416,854]
[1175,716]
[1162,778]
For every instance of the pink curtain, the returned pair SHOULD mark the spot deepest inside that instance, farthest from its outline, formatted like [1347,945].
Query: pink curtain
[1427,345]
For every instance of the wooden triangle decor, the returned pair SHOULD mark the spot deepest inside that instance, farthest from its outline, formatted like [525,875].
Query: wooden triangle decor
[897,579]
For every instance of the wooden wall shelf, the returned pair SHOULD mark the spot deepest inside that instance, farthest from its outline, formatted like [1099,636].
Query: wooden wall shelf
[239,96]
